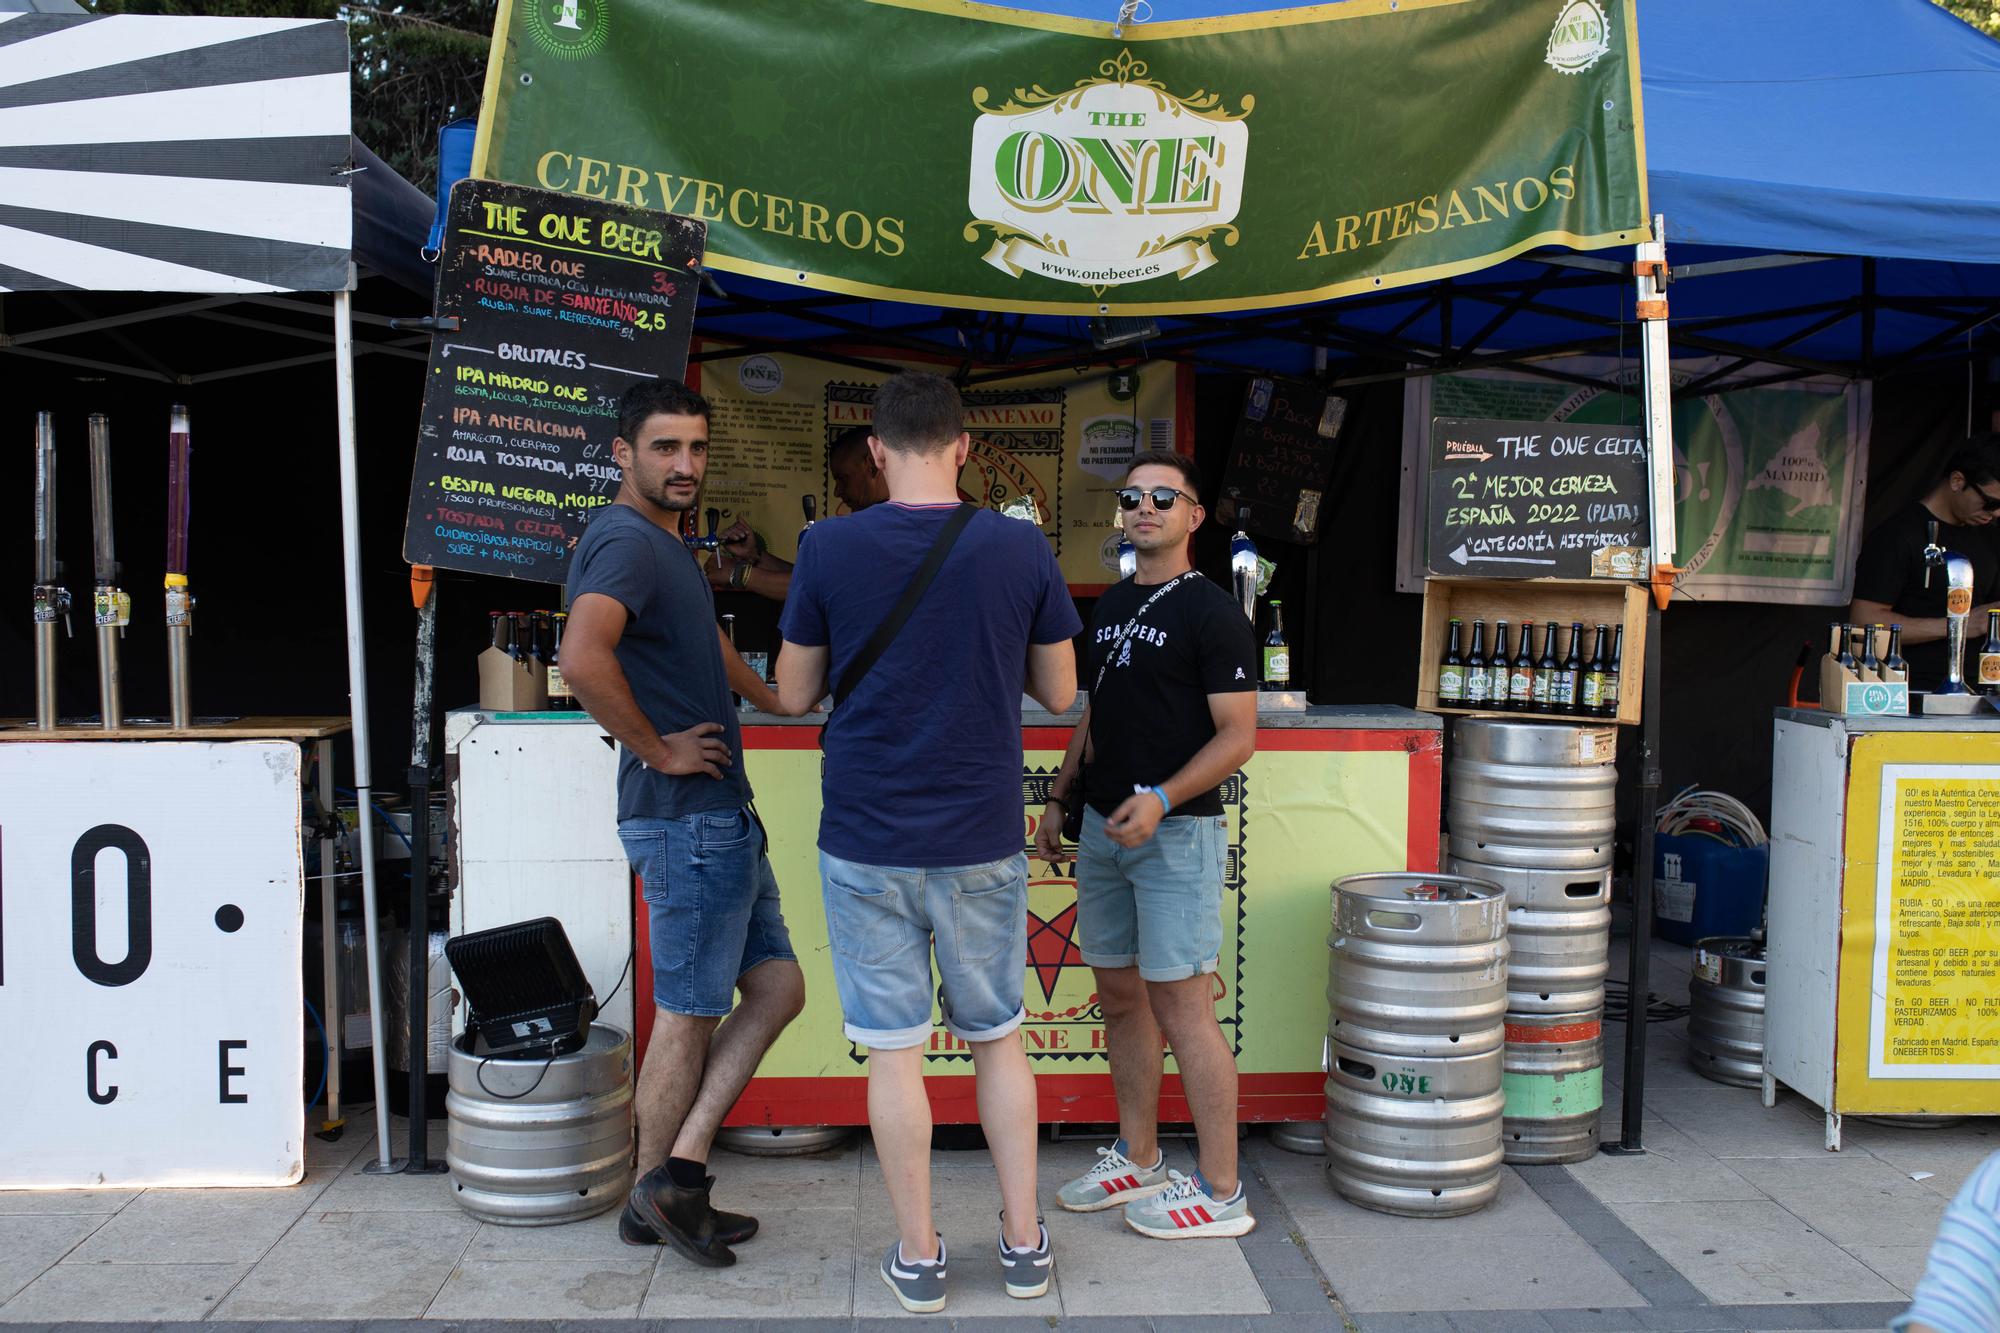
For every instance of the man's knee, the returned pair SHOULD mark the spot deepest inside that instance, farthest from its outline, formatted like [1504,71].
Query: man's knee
[778,987]
[1120,991]
[1182,1007]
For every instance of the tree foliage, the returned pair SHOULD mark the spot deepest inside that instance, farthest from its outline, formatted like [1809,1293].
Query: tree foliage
[1981,14]
[415,66]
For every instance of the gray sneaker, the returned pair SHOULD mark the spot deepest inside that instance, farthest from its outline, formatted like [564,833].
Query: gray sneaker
[919,1286]
[1115,1181]
[1027,1271]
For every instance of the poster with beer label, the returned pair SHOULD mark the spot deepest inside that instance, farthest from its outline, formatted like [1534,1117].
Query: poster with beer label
[561,304]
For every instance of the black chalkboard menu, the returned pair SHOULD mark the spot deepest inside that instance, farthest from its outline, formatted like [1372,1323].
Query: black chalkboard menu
[1280,459]
[562,304]
[1536,499]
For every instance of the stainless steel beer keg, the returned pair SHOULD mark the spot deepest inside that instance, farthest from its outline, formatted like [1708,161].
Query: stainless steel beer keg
[1415,1136]
[1532,794]
[1555,1087]
[1419,964]
[1558,935]
[1726,1010]
[531,1142]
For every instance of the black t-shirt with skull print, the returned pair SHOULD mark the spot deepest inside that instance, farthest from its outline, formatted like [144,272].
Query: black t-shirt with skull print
[1150,715]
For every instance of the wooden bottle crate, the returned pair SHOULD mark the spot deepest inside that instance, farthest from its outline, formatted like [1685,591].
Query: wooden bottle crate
[1592,601]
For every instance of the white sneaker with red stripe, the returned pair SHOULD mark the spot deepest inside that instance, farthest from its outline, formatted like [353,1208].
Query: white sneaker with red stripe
[1113,1182]
[1185,1211]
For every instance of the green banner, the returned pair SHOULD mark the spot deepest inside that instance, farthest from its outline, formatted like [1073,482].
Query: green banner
[1766,479]
[968,155]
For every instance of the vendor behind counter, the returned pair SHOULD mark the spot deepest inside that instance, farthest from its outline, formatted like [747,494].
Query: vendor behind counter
[1889,577]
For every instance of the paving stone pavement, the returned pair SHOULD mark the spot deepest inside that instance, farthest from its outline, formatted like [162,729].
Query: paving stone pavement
[1736,1218]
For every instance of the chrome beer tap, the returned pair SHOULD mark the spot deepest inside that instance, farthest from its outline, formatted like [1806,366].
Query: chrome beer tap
[1958,605]
[1243,564]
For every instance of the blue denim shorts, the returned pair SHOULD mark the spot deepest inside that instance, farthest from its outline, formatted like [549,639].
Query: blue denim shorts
[712,904]
[884,920]
[1157,906]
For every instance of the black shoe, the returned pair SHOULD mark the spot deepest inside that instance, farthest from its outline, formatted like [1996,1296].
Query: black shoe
[730,1228]
[680,1217]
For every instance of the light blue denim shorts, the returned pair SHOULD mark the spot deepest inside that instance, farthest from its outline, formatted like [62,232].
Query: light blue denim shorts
[884,921]
[711,903]
[1157,906]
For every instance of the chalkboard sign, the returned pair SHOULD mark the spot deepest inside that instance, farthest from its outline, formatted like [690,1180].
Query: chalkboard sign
[1280,459]
[1536,499]
[562,304]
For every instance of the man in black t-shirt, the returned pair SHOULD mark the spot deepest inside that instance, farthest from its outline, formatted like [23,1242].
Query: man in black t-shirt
[1172,714]
[1889,576]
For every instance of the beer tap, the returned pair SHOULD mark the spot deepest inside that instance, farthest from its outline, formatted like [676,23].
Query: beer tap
[713,541]
[810,503]
[179,597]
[1243,564]
[1958,605]
[51,599]
[111,605]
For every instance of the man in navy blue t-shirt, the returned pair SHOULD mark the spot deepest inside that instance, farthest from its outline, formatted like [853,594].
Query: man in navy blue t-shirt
[642,653]
[921,827]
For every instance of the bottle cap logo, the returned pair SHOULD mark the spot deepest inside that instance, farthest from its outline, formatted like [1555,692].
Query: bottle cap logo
[1580,38]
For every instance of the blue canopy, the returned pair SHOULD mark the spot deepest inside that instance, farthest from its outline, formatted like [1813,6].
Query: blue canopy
[1857,129]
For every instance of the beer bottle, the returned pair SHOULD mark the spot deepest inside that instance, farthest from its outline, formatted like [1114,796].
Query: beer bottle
[1989,656]
[1608,701]
[1871,665]
[1893,666]
[558,687]
[517,636]
[1546,672]
[1451,671]
[1833,640]
[1477,683]
[1521,681]
[1847,662]
[1277,657]
[1571,679]
[1591,704]
[1500,671]
[501,626]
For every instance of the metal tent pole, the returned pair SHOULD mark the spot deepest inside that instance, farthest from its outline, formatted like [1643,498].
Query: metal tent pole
[1650,279]
[423,592]
[357,689]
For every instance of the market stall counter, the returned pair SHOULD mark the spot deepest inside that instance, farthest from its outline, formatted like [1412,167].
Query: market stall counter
[1331,791]
[1884,923]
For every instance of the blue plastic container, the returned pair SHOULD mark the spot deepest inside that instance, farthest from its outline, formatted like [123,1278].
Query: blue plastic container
[1703,887]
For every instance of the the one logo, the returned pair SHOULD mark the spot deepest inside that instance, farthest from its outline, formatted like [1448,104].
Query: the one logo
[1115,181]
[567,27]
[760,374]
[1581,37]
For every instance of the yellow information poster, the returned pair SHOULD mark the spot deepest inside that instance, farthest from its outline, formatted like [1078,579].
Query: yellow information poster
[1062,438]
[1919,1023]
[1310,806]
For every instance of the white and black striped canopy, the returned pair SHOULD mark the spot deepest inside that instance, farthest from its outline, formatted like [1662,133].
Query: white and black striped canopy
[144,153]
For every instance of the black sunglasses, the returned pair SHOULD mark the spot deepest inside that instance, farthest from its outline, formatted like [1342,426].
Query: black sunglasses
[1989,502]
[1164,497]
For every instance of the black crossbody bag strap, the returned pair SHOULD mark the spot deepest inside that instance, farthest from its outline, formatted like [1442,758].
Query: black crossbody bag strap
[899,615]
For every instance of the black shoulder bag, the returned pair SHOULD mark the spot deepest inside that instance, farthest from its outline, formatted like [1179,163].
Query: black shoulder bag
[1072,829]
[899,614]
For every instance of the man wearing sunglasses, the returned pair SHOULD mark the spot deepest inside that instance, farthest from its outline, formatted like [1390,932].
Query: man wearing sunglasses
[1172,714]
[1889,576]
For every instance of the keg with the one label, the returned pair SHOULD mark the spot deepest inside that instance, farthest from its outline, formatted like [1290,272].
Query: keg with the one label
[1413,1136]
[1726,1010]
[1532,795]
[531,1142]
[1419,964]
[1554,1083]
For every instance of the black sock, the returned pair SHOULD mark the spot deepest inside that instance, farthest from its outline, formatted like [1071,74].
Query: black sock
[688,1175]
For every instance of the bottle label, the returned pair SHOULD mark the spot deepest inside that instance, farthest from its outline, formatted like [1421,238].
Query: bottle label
[1593,689]
[1475,686]
[1520,687]
[1608,693]
[1541,687]
[1497,685]
[557,688]
[1989,667]
[1278,665]
[1451,684]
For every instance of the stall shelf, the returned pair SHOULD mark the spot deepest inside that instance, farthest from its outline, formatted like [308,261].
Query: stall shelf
[1884,917]
[1331,791]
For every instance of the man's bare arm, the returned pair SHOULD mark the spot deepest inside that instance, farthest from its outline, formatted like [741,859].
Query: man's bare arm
[743,678]
[1052,675]
[590,667]
[801,677]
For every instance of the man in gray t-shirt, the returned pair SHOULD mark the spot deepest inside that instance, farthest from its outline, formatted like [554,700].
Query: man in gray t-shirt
[642,653]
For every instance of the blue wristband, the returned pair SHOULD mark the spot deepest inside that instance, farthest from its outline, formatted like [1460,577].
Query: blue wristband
[1166,806]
